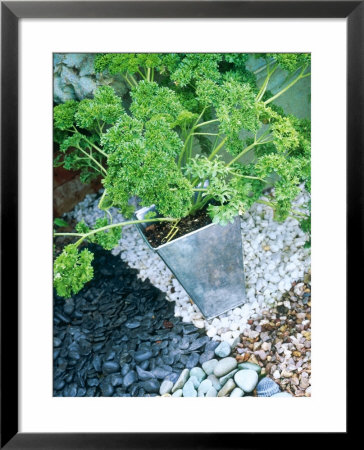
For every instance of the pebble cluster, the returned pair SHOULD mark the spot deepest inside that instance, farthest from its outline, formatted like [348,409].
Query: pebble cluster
[279,341]
[119,337]
[274,257]
[222,376]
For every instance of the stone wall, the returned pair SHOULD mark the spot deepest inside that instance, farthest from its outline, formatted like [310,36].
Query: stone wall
[75,77]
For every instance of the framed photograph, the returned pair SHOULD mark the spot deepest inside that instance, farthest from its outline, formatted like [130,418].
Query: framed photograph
[203,110]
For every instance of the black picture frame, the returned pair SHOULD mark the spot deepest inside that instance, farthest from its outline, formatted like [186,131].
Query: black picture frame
[11,12]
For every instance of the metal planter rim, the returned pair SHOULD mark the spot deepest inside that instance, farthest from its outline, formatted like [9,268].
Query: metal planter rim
[208,263]
[140,213]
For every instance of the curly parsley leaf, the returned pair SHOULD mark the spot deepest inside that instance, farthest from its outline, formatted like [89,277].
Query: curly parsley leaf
[64,115]
[71,270]
[104,108]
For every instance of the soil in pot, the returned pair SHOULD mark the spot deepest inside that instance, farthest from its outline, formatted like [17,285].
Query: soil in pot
[163,232]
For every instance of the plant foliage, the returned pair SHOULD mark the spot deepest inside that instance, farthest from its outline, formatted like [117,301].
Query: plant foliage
[198,132]
[72,269]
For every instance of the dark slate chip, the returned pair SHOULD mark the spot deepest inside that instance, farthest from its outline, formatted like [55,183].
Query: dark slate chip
[199,343]
[116,379]
[173,376]
[144,374]
[56,342]
[183,359]
[206,356]
[161,373]
[96,362]
[81,392]
[192,360]
[168,358]
[85,347]
[78,314]
[91,392]
[211,345]
[69,306]
[129,378]
[179,366]
[144,364]
[58,384]
[110,367]
[184,344]
[93,382]
[69,377]
[62,317]
[152,364]
[134,390]
[70,390]
[97,347]
[110,355]
[151,385]
[142,355]
[190,328]
[125,369]
[119,337]
[106,388]
[124,358]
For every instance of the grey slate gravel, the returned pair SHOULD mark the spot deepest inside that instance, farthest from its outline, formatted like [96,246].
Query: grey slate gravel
[110,338]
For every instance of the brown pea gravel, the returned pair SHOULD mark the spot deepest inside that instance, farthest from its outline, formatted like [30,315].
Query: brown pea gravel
[279,341]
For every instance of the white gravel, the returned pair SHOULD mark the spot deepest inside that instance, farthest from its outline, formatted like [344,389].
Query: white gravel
[274,257]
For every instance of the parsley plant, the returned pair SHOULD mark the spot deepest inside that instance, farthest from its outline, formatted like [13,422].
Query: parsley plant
[180,102]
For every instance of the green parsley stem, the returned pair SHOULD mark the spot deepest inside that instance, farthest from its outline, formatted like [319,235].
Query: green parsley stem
[251,146]
[201,204]
[264,202]
[294,217]
[217,149]
[300,76]
[74,130]
[265,83]
[128,81]
[194,189]
[67,234]
[205,123]
[131,80]
[120,224]
[93,159]
[246,149]
[142,75]
[190,134]
[101,199]
[261,68]
[246,176]
[96,147]
[297,213]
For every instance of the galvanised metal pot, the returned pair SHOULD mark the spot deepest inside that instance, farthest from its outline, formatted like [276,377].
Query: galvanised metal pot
[208,263]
